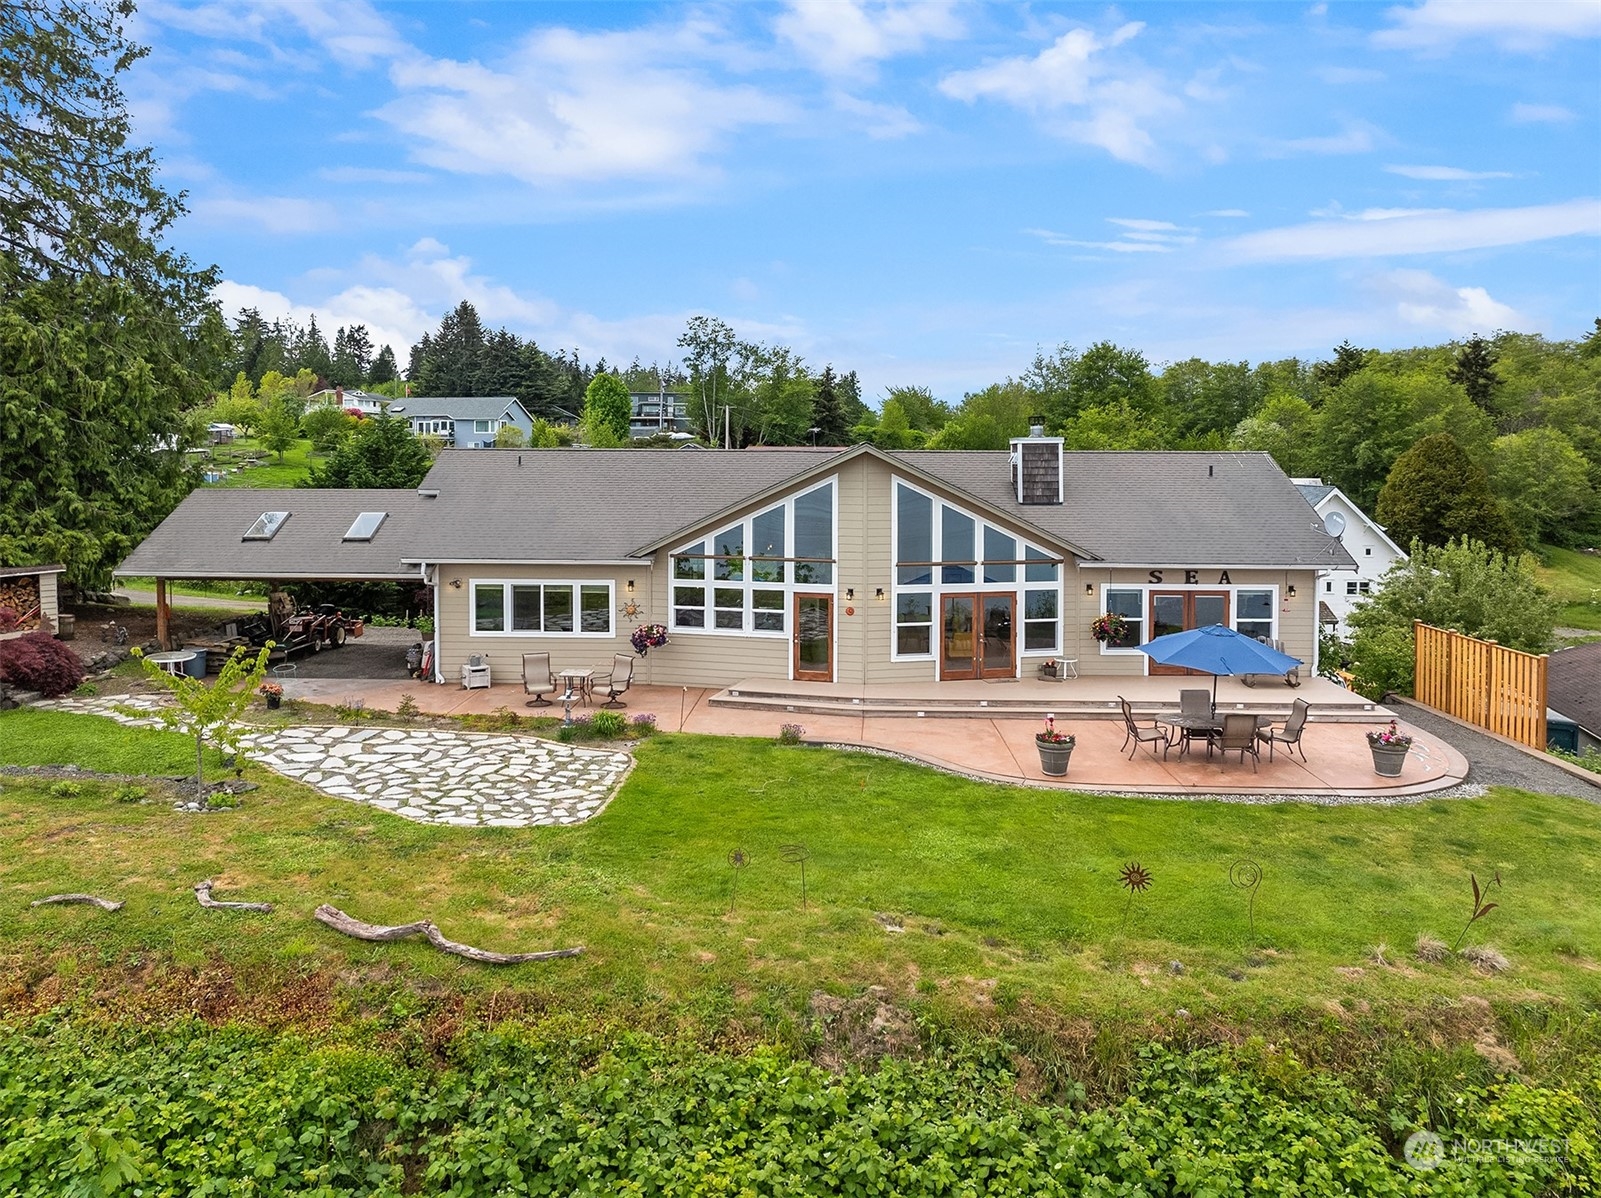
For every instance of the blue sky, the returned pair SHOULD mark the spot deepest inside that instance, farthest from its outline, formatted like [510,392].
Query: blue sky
[924,193]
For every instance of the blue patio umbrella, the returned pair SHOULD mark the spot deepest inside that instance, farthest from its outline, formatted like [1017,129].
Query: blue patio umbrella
[1218,650]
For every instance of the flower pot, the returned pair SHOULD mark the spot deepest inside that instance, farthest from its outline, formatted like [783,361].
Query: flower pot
[1388,759]
[1054,755]
[274,701]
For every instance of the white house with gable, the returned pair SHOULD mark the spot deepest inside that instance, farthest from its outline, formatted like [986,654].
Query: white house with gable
[1374,552]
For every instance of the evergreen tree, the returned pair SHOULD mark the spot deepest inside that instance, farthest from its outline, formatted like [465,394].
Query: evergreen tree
[1436,492]
[454,356]
[384,368]
[828,418]
[1347,361]
[381,452]
[1474,371]
[852,407]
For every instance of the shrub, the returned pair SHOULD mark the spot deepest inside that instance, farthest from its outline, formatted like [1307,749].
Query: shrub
[644,724]
[790,734]
[567,733]
[66,790]
[129,793]
[39,662]
[407,707]
[609,724]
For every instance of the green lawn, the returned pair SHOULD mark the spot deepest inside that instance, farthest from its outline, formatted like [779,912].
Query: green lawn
[1575,579]
[1005,896]
[270,472]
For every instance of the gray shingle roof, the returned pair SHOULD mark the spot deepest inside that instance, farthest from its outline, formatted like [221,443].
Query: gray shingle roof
[458,407]
[1573,685]
[1315,493]
[1160,507]
[203,538]
[585,504]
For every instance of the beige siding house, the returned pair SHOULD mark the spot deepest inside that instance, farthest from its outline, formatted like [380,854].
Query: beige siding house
[851,566]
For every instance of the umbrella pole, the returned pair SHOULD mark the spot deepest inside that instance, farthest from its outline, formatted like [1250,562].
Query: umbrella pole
[1214,694]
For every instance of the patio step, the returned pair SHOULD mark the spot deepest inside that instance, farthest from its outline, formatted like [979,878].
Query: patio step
[1032,707]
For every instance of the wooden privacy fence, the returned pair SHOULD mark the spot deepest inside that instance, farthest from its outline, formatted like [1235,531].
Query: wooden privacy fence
[1500,689]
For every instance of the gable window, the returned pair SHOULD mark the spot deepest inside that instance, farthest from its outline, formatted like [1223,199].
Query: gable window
[519,608]
[740,579]
[941,549]
[1358,587]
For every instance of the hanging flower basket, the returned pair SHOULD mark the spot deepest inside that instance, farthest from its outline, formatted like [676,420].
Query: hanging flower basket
[647,637]
[1110,628]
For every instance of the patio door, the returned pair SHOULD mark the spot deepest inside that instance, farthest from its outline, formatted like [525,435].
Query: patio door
[978,636]
[1179,611]
[814,638]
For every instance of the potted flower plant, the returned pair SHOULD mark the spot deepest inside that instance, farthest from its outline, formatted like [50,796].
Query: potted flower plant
[1389,749]
[647,637]
[1055,747]
[1109,629]
[273,692]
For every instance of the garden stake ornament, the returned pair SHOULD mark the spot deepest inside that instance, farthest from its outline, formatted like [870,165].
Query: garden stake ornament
[1480,909]
[797,854]
[1246,875]
[737,860]
[1134,878]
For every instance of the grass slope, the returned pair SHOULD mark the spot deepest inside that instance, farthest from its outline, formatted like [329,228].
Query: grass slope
[271,472]
[1005,895]
[1575,579]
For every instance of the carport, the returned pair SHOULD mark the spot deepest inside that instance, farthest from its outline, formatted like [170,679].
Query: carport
[278,537]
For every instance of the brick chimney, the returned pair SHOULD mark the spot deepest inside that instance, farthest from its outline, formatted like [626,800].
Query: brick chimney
[1036,462]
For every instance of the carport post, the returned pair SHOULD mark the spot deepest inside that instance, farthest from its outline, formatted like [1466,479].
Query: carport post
[163,638]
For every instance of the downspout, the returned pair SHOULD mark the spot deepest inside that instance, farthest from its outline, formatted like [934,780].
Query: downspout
[430,580]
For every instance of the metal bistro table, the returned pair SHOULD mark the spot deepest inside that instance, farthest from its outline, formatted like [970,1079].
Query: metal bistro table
[1200,727]
[580,682]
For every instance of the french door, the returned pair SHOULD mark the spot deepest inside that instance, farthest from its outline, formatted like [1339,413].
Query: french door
[1179,611]
[814,638]
[978,636]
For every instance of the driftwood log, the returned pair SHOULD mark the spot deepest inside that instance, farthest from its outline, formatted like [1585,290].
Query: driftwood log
[91,900]
[203,897]
[340,922]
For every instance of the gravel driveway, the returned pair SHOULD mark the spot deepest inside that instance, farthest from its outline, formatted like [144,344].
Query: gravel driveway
[1494,764]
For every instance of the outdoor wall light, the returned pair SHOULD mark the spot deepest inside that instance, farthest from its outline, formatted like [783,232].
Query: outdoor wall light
[1291,591]
[850,593]
[1089,588]
[630,586]
[879,594]
[455,584]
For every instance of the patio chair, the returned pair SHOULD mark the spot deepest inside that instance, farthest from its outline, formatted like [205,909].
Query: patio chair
[1239,732]
[619,680]
[1194,704]
[538,681]
[1138,735]
[1290,734]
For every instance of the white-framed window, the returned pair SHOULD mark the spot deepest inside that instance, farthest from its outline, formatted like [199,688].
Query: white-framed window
[483,426]
[1128,602]
[1253,608]
[739,580]
[940,548]
[524,607]
[1358,586]
[1253,612]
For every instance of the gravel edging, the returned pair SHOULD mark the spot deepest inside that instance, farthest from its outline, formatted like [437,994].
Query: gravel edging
[1463,790]
[1498,763]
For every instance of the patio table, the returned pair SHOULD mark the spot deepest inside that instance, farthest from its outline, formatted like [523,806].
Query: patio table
[580,682]
[1188,726]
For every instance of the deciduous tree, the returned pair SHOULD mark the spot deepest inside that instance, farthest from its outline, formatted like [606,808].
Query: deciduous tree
[606,411]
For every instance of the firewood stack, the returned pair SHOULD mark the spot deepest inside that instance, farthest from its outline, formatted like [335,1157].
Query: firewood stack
[20,596]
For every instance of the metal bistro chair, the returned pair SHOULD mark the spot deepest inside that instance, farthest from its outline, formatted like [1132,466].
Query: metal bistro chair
[1195,704]
[1290,734]
[1139,736]
[538,681]
[619,680]
[1239,732]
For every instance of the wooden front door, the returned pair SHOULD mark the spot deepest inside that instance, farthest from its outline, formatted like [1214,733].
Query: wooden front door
[814,638]
[1178,611]
[978,636]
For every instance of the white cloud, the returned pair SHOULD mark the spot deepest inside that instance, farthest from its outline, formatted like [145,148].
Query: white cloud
[1445,174]
[275,214]
[1076,92]
[368,174]
[351,32]
[882,122]
[1512,24]
[1229,213]
[566,105]
[1358,137]
[1423,300]
[842,37]
[1534,114]
[1383,232]
[1142,237]
[391,318]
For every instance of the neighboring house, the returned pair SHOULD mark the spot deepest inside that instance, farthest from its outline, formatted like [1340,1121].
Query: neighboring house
[29,595]
[1573,696]
[855,565]
[465,422]
[1367,543]
[352,400]
[653,413]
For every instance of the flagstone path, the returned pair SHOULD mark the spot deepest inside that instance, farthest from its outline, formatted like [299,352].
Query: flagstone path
[430,775]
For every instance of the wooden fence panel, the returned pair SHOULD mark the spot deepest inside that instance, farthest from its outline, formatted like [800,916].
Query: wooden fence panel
[1488,685]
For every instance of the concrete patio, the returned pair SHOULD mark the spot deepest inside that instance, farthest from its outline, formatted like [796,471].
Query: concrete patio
[997,743]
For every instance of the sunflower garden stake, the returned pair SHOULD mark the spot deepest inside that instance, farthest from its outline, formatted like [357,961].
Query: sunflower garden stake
[1136,879]
[1480,909]
[1246,875]
[737,860]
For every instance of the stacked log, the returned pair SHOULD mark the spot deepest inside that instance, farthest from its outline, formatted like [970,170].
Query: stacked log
[20,597]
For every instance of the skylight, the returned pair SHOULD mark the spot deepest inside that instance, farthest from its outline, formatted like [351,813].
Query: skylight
[265,528]
[366,524]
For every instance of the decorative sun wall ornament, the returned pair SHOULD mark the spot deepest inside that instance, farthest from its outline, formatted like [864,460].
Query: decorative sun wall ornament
[631,609]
